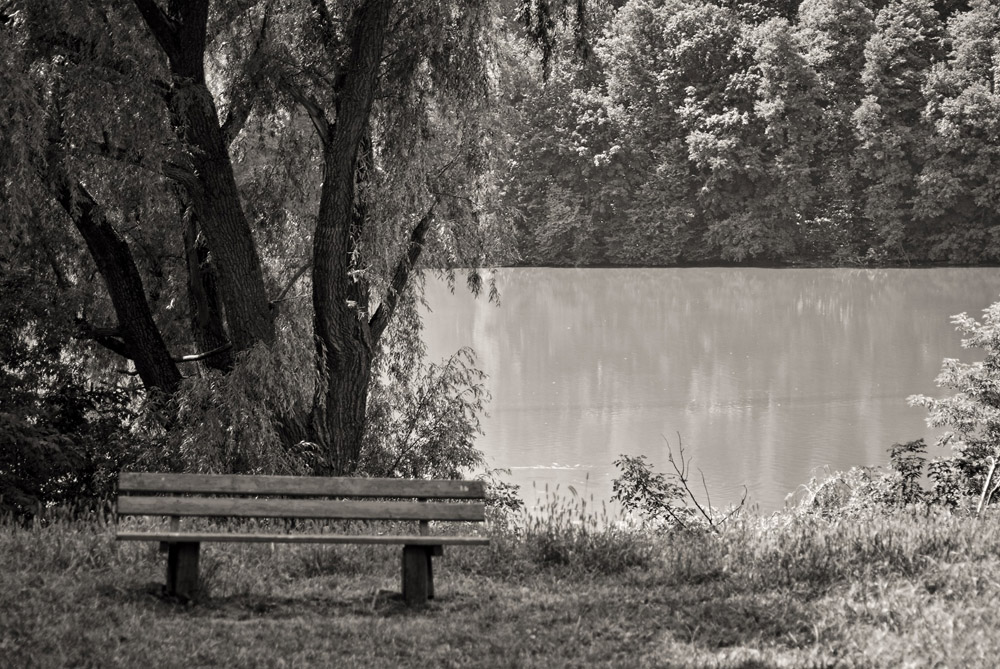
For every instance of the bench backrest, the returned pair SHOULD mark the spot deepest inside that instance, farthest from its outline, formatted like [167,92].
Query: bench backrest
[155,494]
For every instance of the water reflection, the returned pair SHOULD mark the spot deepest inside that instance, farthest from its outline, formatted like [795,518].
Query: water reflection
[765,374]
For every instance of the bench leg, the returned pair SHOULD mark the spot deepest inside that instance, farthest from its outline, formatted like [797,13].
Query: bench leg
[418,573]
[182,569]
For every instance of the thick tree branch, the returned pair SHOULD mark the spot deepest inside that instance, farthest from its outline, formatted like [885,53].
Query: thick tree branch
[326,27]
[163,27]
[182,37]
[313,108]
[182,176]
[344,348]
[140,338]
[243,100]
[110,338]
[195,357]
[298,275]
[383,315]
[204,304]
[206,171]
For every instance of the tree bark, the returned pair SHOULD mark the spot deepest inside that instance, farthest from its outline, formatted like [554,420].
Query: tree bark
[344,344]
[141,338]
[208,170]
[207,327]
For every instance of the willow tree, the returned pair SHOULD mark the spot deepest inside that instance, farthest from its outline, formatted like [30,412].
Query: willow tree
[240,136]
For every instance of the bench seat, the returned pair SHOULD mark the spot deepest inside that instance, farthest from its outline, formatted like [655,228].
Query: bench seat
[201,537]
[177,496]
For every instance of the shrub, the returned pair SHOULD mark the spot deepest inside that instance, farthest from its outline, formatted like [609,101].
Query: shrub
[424,419]
[648,494]
[861,490]
[63,435]
[503,502]
[243,421]
[666,500]
[972,415]
[857,491]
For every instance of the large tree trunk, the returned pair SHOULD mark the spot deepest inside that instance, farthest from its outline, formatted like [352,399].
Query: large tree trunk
[207,327]
[344,342]
[207,171]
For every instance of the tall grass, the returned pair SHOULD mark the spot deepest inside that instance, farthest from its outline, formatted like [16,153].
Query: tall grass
[563,584]
[571,533]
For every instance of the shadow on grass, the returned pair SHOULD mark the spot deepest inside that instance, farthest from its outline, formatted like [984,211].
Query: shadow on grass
[247,606]
[743,621]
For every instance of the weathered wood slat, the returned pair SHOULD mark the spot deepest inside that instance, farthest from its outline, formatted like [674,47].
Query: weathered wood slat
[245,507]
[412,540]
[306,486]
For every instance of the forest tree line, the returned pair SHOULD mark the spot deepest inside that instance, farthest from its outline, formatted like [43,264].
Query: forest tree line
[824,131]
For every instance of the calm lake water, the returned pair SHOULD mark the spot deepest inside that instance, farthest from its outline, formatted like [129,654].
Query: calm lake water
[767,375]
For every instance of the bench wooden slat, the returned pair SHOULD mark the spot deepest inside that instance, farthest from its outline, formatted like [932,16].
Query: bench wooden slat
[246,507]
[141,482]
[305,538]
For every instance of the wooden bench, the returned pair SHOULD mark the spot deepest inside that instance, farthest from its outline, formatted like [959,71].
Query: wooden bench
[300,497]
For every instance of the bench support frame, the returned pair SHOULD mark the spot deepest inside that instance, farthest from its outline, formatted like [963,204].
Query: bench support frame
[418,573]
[182,569]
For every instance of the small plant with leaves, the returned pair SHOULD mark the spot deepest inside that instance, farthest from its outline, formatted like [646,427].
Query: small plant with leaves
[972,414]
[503,500]
[907,461]
[858,491]
[666,500]
[649,494]
[864,490]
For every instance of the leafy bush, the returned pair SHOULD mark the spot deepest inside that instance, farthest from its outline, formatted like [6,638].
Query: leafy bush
[63,433]
[246,421]
[503,501]
[666,500]
[648,494]
[972,415]
[424,419]
[864,490]
[857,491]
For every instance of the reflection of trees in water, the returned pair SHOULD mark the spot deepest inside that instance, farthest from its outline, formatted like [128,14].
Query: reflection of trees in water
[618,327]
[712,352]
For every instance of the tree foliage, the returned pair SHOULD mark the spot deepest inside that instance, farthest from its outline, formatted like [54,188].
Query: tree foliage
[972,414]
[231,201]
[832,131]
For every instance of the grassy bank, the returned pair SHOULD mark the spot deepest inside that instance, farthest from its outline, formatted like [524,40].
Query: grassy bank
[795,591]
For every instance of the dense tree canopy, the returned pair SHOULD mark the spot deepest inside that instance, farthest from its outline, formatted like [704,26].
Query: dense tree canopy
[830,131]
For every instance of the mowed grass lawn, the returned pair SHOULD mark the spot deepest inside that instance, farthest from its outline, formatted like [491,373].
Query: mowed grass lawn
[790,590]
